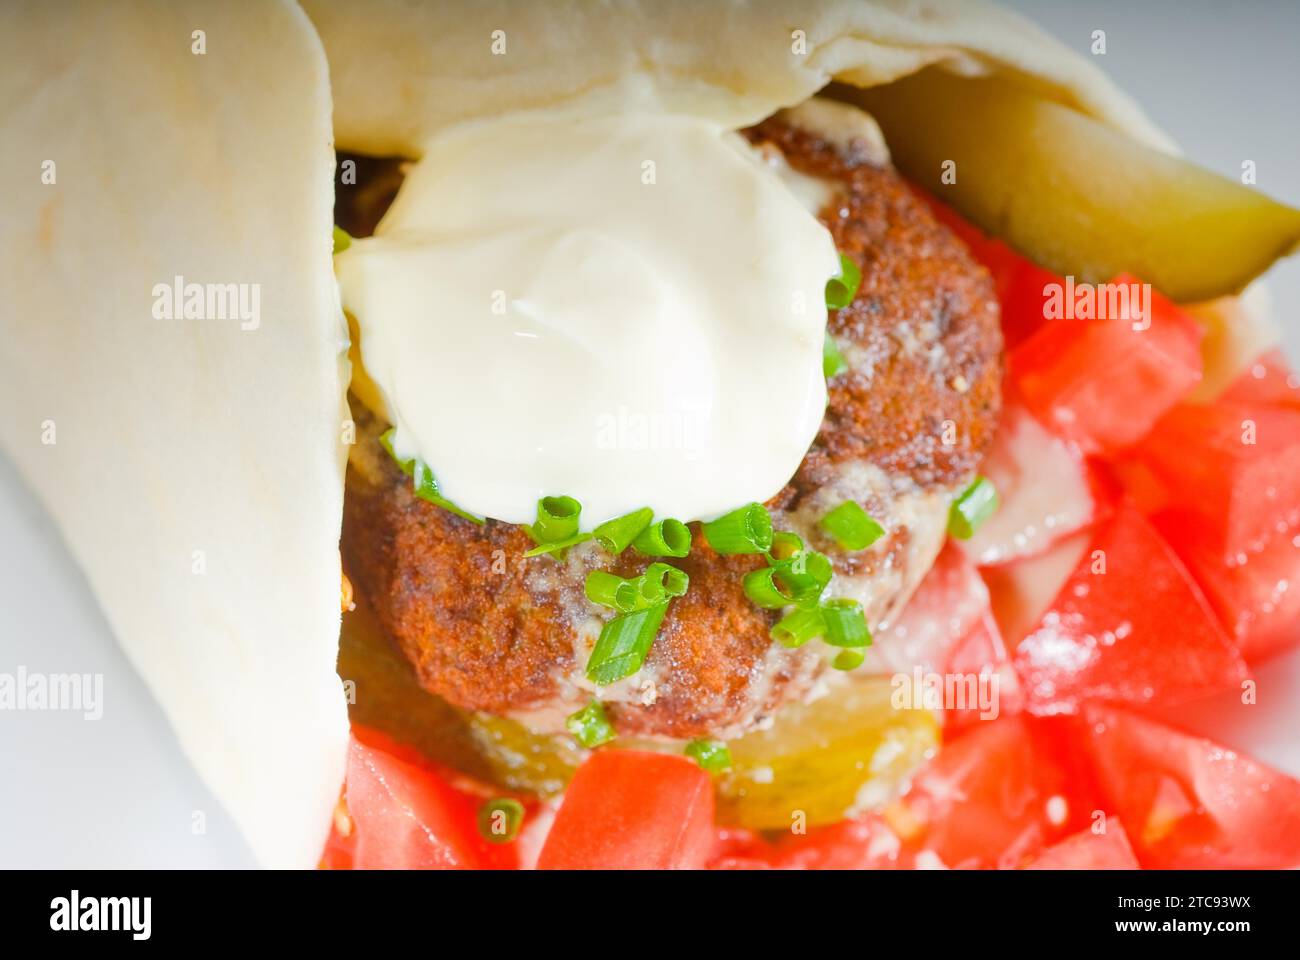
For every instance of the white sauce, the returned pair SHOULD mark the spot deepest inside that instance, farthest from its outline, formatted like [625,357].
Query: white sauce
[625,309]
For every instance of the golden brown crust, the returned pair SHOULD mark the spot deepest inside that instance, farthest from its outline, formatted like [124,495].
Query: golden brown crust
[486,633]
[890,410]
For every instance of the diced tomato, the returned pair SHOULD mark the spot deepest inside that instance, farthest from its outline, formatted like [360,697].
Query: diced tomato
[1128,625]
[739,863]
[1236,465]
[947,628]
[865,843]
[948,604]
[1023,288]
[400,815]
[735,848]
[1044,491]
[1190,803]
[1103,384]
[1269,382]
[628,809]
[996,796]
[1128,478]
[1020,592]
[1255,594]
[1087,850]
[982,654]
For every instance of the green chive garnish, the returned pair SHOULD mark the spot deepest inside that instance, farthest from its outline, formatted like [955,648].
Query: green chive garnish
[975,505]
[662,581]
[846,625]
[424,482]
[617,535]
[589,726]
[623,644]
[848,659]
[765,589]
[610,590]
[557,519]
[841,290]
[557,546]
[667,538]
[806,576]
[499,819]
[851,527]
[711,755]
[342,239]
[799,627]
[833,361]
[785,546]
[747,530]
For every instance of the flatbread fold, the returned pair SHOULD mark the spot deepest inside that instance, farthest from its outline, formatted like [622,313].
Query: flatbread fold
[195,467]
[404,70]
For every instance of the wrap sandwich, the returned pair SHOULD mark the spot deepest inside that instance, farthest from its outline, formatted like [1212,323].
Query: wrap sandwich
[689,398]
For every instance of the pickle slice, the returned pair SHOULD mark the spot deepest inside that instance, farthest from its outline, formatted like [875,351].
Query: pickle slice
[387,697]
[846,751]
[1073,194]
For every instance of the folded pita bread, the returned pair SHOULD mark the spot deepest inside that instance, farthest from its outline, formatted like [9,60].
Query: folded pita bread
[196,467]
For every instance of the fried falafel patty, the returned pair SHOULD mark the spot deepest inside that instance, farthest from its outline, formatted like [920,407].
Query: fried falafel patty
[905,429]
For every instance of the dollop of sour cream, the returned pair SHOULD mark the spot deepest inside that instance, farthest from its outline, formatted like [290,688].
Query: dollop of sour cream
[626,309]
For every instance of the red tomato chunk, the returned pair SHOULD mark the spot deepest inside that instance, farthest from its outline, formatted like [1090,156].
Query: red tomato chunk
[1235,466]
[1128,625]
[1190,803]
[1103,384]
[630,810]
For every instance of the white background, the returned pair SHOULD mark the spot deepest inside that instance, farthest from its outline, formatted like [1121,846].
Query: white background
[1222,78]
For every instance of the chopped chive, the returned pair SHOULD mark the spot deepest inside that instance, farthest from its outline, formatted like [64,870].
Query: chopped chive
[342,239]
[747,530]
[557,519]
[667,580]
[833,361]
[424,483]
[846,625]
[807,576]
[617,535]
[667,538]
[848,659]
[557,546]
[765,589]
[610,590]
[623,644]
[785,545]
[499,819]
[851,526]
[975,505]
[799,627]
[711,755]
[651,591]
[841,290]
[589,726]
